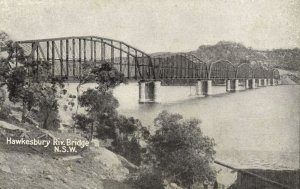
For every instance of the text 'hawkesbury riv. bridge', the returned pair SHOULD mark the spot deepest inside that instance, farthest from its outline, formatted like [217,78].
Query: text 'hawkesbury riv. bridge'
[67,55]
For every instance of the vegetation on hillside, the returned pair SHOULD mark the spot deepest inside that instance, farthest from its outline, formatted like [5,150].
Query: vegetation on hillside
[34,90]
[177,153]
[102,119]
[238,53]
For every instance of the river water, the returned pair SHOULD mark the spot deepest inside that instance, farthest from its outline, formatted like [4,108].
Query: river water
[257,128]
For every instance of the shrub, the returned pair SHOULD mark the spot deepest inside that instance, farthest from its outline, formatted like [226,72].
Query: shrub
[181,151]
[149,179]
[5,112]
[64,91]
[48,107]
[2,96]
[83,122]
[129,148]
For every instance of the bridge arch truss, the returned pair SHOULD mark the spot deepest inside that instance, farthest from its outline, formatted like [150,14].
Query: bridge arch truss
[67,55]
[180,66]
[222,69]
[244,71]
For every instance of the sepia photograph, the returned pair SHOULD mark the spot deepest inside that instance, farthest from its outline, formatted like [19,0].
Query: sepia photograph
[149,94]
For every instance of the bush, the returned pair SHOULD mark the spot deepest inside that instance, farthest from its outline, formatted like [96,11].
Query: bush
[5,112]
[103,118]
[65,107]
[129,132]
[130,149]
[83,122]
[46,101]
[64,91]
[49,120]
[181,151]
[2,96]
[149,179]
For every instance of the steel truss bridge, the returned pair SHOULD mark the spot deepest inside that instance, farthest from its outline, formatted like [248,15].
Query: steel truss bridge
[67,56]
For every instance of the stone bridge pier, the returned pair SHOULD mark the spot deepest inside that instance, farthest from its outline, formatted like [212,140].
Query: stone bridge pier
[259,82]
[149,91]
[204,87]
[272,82]
[252,83]
[232,85]
[247,84]
[265,82]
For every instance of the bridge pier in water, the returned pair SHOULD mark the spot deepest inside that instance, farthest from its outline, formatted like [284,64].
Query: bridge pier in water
[232,85]
[204,87]
[247,84]
[259,82]
[198,88]
[265,82]
[272,82]
[149,91]
[252,83]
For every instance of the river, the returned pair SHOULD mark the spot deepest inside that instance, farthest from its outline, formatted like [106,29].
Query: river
[256,128]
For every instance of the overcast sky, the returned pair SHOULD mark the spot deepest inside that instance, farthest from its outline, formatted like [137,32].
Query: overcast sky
[158,25]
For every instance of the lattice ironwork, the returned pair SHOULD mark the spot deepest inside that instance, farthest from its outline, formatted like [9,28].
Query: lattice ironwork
[222,69]
[179,66]
[244,71]
[67,55]
[258,71]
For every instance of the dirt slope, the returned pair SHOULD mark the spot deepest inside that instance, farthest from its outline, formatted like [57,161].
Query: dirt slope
[22,167]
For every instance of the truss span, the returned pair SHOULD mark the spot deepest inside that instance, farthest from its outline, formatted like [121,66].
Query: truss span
[67,56]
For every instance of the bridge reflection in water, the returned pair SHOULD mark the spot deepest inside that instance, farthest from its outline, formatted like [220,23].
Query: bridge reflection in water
[68,55]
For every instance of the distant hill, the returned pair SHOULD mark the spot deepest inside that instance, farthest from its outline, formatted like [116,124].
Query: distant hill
[288,59]
[238,53]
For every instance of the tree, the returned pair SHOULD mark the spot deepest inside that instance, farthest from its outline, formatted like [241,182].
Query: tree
[180,150]
[4,38]
[129,134]
[101,112]
[29,84]
[102,116]
[149,178]
[86,76]
[4,60]
[40,95]
[100,104]
[19,90]
[106,76]
[47,114]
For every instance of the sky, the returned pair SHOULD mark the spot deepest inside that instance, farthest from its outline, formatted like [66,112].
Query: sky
[158,25]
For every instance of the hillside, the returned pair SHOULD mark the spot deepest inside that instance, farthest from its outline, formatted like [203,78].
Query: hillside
[24,166]
[288,59]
